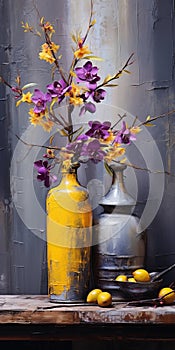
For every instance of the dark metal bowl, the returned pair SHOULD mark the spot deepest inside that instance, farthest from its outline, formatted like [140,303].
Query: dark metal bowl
[132,290]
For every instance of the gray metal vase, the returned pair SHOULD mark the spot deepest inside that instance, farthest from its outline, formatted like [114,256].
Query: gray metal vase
[120,247]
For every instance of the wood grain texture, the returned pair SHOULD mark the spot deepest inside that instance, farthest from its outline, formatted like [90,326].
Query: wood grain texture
[30,309]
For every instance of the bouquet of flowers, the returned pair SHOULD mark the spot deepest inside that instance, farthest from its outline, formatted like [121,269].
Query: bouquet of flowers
[83,87]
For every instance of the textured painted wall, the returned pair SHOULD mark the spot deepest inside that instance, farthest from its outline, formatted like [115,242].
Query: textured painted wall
[5,215]
[147,28]
[123,26]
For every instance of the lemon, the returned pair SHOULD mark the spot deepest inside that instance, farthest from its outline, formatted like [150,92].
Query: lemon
[131,279]
[92,296]
[141,275]
[167,299]
[104,299]
[121,278]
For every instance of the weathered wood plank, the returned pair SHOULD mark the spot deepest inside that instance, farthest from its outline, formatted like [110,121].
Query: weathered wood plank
[26,309]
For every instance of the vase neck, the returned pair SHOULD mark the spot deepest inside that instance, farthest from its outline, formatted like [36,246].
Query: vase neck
[118,181]
[118,195]
[69,178]
[69,174]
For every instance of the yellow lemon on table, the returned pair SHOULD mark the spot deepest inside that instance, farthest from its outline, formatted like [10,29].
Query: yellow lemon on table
[92,296]
[141,275]
[104,299]
[131,279]
[169,298]
[121,278]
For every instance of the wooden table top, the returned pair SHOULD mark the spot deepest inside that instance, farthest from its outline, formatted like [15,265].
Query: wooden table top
[37,309]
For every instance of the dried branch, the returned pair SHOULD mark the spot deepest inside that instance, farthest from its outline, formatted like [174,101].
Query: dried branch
[118,74]
[152,301]
[36,145]
[75,60]
[134,166]
[157,117]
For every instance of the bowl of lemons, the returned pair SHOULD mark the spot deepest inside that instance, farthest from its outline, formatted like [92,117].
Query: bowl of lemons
[139,285]
[136,285]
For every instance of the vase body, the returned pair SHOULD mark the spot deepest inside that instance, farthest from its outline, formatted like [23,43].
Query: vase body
[121,244]
[69,238]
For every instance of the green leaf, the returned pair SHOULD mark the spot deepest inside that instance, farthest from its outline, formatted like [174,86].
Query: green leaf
[110,85]
[63,132]
[42,20]
[38,33]
[118,75]
[96,58]
[55,99]
[74,38]
[122,161]
[51,139]
[149,124]
[108,169]
[28,86]
[107,78]
[93,22]
[126,71]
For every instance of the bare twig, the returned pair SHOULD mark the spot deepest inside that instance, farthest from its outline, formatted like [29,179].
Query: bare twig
[134,166]
[36,145]
[75,60]
[118,74]
[48,42]
[157,117]
[152,301]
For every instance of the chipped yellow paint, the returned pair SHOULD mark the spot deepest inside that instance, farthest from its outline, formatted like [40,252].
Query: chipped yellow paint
[69,235]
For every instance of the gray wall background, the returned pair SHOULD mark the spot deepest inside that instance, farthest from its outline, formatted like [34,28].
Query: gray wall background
[123,26]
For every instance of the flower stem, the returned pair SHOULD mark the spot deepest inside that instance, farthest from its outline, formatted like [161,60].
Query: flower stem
[75,60]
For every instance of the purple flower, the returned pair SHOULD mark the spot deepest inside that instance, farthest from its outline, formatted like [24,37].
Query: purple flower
[88,74]
[89,106]
[40,99]
[98,130]
[124,135]
[93,151]
[43,169]
[58,89]
[97,95]
[75,148]
[82,137]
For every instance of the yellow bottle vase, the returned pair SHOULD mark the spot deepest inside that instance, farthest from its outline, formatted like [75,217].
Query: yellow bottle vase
[69,238]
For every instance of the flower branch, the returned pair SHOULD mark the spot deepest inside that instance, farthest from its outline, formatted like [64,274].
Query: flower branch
[82,87]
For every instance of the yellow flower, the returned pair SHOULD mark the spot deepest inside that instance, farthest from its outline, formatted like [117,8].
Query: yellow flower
[50,153]
[47,56]
[135,129]
[114,153]
[75,91]
[25,98]
[46,53]
[46,48]
[54,47]
[81,52]
[27,27]
[35,118]
[110,138]
[48,26]
[76,101]
[72,73]
[74,95]
[47,125]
